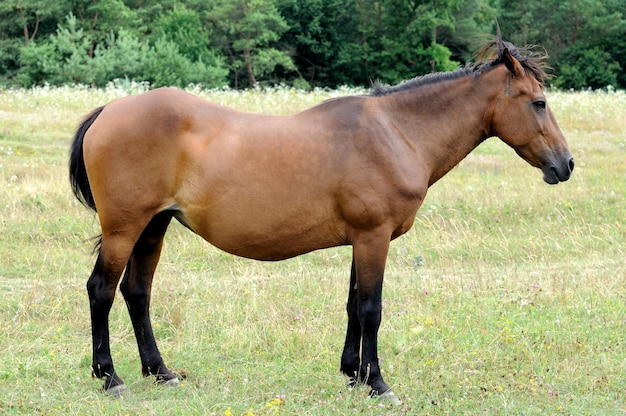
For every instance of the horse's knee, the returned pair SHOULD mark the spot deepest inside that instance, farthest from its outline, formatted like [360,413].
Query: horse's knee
[135,293]
[99,290]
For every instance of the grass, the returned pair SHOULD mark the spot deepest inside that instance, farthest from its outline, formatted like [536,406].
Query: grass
[507,296]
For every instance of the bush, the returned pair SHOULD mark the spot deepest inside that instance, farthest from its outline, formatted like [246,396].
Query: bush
[166,66]
[65,59]
[121,56]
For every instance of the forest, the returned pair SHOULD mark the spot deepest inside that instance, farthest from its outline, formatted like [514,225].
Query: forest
[300,43]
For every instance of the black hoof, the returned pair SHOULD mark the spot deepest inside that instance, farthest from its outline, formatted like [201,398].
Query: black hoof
[169,379]
[172,382]
[388,396]
[117,391]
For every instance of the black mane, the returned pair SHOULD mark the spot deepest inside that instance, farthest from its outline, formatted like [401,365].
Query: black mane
[488,57]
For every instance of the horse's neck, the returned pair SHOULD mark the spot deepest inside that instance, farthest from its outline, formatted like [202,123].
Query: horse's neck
[446,121]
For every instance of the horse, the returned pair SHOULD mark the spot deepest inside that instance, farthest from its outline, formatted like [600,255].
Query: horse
[349,171]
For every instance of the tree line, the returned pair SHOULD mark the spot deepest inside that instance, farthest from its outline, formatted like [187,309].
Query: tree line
[304,43]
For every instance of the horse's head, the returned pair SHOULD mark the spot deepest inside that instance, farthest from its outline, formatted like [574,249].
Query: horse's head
[523,119]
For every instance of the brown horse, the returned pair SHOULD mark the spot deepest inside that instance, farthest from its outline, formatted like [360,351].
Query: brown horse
[350,171]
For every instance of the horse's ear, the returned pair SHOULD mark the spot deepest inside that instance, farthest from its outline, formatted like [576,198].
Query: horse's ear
[499,41]
[512,64]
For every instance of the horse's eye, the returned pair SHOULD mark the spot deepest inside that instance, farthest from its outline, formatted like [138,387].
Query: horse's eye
[539,105]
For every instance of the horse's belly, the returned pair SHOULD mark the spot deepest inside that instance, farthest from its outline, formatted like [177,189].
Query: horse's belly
[262,235]
[271,245]
[275,249]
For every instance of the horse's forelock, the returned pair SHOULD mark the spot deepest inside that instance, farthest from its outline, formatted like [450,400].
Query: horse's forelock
[533,61]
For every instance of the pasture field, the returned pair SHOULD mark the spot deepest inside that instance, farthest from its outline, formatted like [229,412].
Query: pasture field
[508,296]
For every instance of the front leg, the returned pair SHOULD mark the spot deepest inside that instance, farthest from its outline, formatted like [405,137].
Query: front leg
[350,359]
[365,301]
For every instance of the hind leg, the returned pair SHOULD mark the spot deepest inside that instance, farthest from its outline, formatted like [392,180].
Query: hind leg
[101,286]
[136,289]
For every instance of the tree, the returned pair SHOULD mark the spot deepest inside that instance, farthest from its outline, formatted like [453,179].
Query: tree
[248,31]
[63,58]
[22,21]
[302,42]
[327,40]
[472,21]
[410,43]
[28,19]
[100,18]
[182,26]
[584,38]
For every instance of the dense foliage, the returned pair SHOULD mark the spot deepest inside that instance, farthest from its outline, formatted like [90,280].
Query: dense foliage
[304,43]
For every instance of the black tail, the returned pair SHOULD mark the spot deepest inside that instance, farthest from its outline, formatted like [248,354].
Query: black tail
[78,173]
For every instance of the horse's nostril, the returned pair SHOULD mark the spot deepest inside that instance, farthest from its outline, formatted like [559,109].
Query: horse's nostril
[571,164]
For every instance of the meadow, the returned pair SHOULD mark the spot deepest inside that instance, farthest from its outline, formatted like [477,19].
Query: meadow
[508,296]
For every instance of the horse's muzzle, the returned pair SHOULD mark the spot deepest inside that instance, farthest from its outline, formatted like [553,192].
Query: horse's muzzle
[554,174]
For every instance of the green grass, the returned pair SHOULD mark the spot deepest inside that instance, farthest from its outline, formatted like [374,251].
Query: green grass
[507,297]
